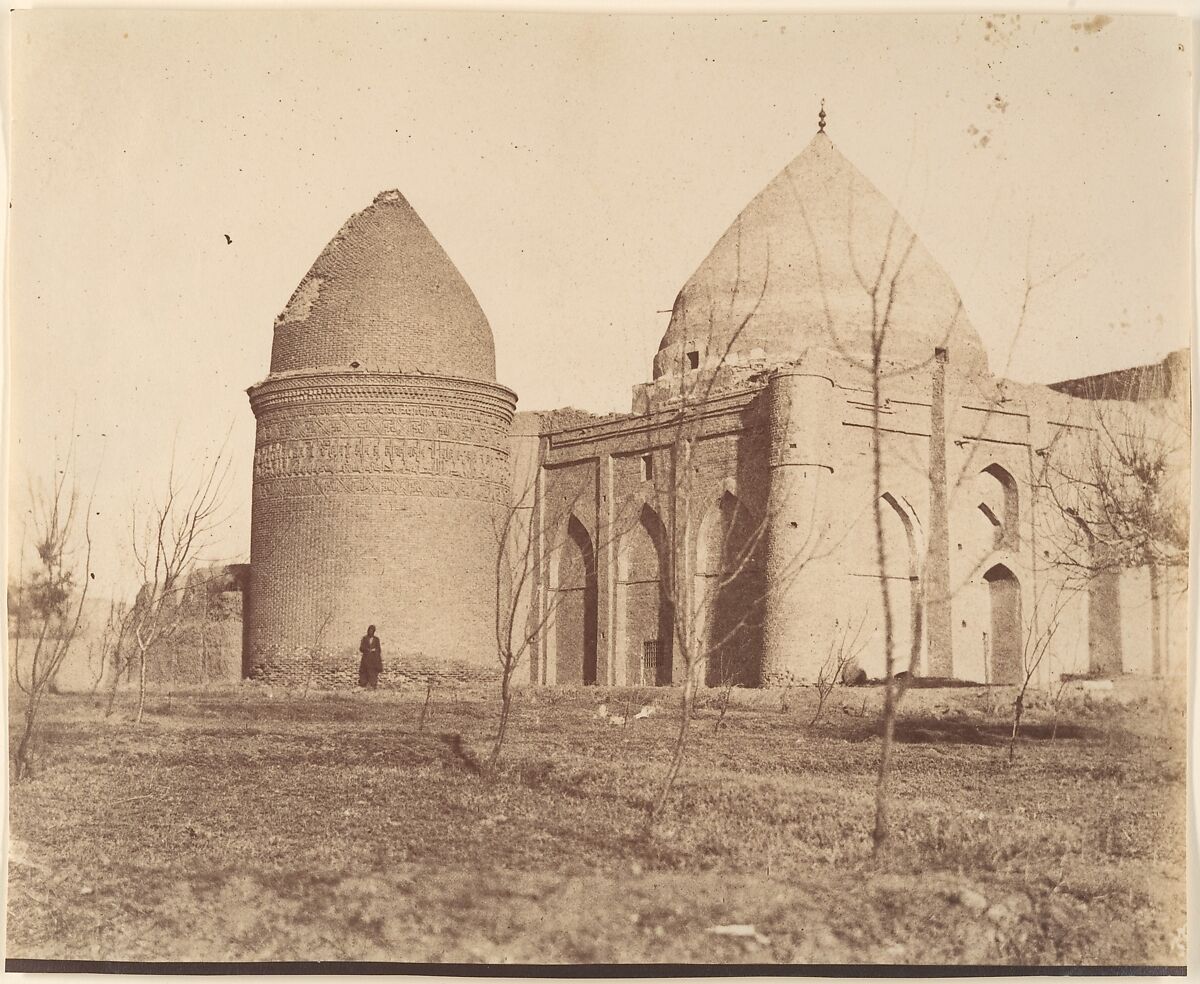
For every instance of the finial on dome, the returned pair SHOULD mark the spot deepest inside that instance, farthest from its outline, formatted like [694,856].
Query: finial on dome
[821,118]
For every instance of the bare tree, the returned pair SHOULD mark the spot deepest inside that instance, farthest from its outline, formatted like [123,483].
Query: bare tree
[119,655]
[881,309]
[699,642]
[1058,688]
[886,291]
[168,539]
[695,640]
[106,650]
[1124,484]
[726,680]
[430,681]
[844,649]
[522,556]
[1118,487]
[516,627]
[1035,649]
[51,601]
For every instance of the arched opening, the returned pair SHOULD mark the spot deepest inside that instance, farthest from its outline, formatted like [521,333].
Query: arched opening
[1004,640]
[647,624]
[575,608]
[729,586]
[1000,506]
[904,587]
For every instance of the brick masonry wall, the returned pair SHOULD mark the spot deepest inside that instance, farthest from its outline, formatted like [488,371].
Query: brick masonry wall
[205,649]
[338,669]
[371,298]
[803,423]
[376,501]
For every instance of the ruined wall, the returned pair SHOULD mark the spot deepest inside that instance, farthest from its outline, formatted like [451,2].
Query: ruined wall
[206,646]
[1169,379]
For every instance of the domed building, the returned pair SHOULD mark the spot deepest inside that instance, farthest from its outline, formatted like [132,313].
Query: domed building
[728,522]
[792,274]
[380,465]
[732,513]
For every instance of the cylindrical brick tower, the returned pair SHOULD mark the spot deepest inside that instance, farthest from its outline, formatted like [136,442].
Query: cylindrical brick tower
[381,472]
[798,617]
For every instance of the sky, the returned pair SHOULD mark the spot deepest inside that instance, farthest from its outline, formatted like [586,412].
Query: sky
[577,168]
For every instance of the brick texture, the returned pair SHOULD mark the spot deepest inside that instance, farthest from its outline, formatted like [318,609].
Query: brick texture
[385,295]
[381,473]
[376,501]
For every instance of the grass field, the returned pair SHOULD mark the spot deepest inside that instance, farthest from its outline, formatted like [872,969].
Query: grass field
[248,825]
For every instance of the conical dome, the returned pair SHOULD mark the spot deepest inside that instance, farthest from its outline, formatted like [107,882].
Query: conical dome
[383,296]
[795,272]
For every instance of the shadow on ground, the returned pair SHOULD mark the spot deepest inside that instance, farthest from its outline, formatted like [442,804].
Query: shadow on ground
[962,731]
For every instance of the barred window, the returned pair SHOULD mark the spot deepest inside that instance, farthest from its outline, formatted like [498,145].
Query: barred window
[650,662]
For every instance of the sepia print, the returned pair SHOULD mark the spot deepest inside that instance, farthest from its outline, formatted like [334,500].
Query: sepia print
[719,494]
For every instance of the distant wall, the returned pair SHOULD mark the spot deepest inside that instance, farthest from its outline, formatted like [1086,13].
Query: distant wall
[330,670]
[204,650]
[1169,379]
[80,670]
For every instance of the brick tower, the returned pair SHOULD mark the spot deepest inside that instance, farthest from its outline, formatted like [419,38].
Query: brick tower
[380,464]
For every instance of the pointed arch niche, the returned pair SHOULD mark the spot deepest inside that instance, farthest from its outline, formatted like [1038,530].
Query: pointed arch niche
[903,573]
[574,633]
[1004,637]
[644,615]
[1000,506]
[730,588]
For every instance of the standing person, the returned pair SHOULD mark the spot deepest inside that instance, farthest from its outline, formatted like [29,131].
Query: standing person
[371,664]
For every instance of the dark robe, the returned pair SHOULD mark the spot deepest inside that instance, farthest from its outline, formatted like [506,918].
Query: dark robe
[371,664]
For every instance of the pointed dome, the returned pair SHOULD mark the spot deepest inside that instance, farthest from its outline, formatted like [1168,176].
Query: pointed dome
[383,296]
[794,272]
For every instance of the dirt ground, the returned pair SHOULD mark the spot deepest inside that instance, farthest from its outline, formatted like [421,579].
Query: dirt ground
[257,825]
